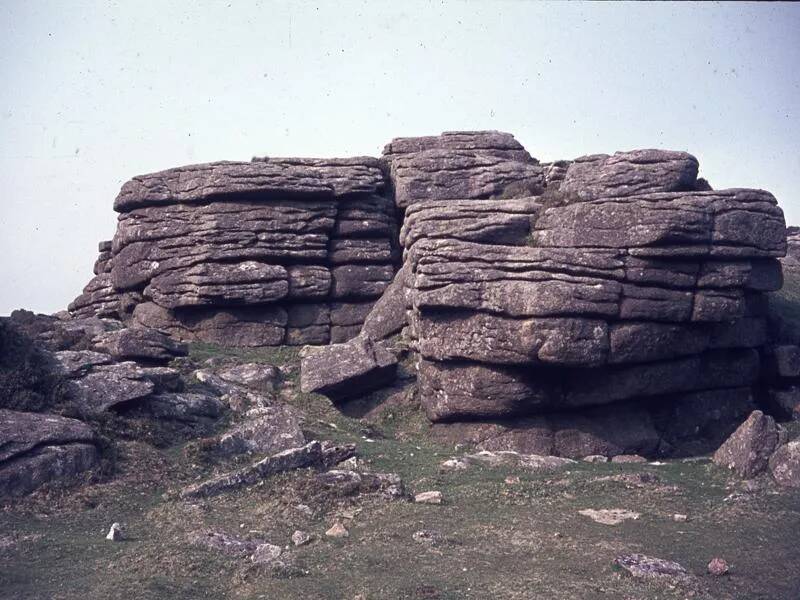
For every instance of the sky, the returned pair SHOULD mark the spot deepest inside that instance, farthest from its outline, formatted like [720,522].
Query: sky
[94,93]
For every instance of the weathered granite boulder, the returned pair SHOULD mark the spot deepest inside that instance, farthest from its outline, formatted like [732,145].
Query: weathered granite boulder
[99,298]
[630,173]
[118,384]
[628,283]
[266,430]
[748,450]
[140,345]
[388,315]
[234,252]
[461,165]
[36,449]
[347,370]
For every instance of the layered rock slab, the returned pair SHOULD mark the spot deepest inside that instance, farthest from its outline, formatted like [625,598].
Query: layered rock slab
[460,165]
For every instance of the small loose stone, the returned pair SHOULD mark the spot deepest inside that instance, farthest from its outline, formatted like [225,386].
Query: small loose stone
[431,497]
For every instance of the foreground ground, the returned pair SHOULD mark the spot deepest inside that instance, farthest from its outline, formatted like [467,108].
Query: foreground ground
[495,536]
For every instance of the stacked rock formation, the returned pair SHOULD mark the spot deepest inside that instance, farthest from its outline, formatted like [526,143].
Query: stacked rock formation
[610,305]
[605,305]
[626,318]
[270,252]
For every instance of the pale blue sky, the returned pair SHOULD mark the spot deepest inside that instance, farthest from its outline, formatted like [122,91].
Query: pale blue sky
[94,93]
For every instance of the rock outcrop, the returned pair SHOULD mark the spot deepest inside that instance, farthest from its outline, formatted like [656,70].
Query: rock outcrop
[589,319]
[270,252]
[610,304]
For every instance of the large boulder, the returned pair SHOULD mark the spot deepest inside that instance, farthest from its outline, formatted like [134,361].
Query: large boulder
[36,449]
[627,283]
[266,430]
[747,452]
[461,165]
[140,345]
[119,385]
[348,370]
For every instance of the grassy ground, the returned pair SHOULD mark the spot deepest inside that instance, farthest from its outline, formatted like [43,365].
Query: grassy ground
[491,539]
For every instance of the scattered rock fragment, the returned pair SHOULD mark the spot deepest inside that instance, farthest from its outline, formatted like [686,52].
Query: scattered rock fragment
[311,455]
[748,449]
[337,531]
[264,430]
[680,518]
[431,497]
[609,516]
[254,375]
[506,458]
[647,567]
[259,552]
[301,538]
[265,553]
[427,536]
[454,464]
[632,480]
[115,533]
[718,567]
[628,459]
[595,458]
[342,482]
[348,370]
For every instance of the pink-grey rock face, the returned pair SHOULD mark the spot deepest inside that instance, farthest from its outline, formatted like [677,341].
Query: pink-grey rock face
[232,253]
[263,176]
[784,464]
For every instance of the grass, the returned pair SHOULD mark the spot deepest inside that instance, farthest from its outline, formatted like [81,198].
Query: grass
[492,539]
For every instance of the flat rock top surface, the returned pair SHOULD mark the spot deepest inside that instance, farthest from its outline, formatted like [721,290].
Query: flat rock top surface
[266,176]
